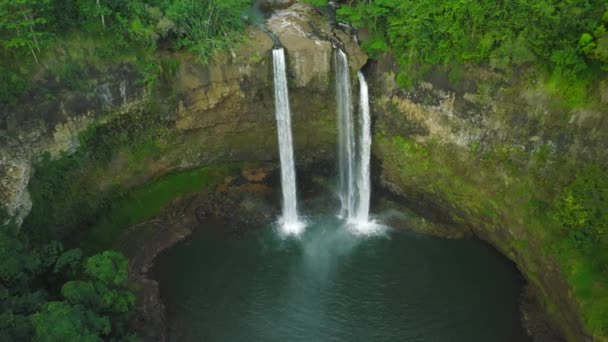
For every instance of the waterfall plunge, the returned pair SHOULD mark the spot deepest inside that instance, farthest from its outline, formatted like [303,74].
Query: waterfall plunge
[354,186]
[290,223]
[354,189]
[346,137]
[365,142]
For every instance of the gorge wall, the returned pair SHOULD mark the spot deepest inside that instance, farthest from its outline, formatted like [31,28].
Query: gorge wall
[197,115]
[491,153]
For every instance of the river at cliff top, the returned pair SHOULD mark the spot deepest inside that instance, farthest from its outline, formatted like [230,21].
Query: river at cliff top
[331,285]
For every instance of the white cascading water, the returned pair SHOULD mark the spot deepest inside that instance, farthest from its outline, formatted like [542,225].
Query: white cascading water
[365,141]
[290,223]
[346,136]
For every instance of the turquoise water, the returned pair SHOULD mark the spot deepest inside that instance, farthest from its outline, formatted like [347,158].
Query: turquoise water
[330,285]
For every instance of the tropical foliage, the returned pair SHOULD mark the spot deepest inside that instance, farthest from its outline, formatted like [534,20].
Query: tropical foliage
[50,294]
[582,209]
[424,34]
[30,29]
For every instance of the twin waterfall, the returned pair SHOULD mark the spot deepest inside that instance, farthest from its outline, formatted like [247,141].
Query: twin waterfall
[353,177]
[354,186]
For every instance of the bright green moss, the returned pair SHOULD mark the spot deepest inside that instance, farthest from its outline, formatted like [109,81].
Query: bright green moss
[147,201]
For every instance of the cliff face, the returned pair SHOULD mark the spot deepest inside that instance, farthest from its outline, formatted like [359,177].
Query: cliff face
[489,153]
[492,153]
[201,114]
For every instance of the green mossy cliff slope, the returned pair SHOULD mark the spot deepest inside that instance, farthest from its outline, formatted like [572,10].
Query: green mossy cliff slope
[504,159]
[497,154]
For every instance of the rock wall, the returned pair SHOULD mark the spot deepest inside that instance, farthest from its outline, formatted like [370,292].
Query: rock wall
[487,152]
[478,152]
[220,112]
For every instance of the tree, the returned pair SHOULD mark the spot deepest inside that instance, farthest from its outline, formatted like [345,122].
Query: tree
[208,25]
[595,45]
[109,268]
[23,24]
[60,321]
[428,34]
[103,19]
[93,305]
[18,267]
[582,209]
[93,14]
[106,289]
[69,262]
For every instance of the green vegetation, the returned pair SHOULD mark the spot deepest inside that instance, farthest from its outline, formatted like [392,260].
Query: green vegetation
[66,298]
[50,294]
[564,210]
[595,44]
[318,3]
[565,39]
[145,202]
[221,28]
[47,293]
[581,210]
[68,197]
[65,196]
[34,34]
[565,44]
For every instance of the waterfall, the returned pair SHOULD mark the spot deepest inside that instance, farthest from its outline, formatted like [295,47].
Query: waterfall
[346,136]
[290,224]
[365,141]
[354,187]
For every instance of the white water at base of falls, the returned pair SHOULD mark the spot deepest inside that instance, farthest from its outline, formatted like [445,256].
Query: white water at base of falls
[346,137]
[290,224]
[360,222]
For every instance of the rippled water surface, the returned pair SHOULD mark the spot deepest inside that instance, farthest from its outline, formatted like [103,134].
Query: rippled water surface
[330,285]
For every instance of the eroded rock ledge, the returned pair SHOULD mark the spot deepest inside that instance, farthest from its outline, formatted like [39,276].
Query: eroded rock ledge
[220,112]
[428,140]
